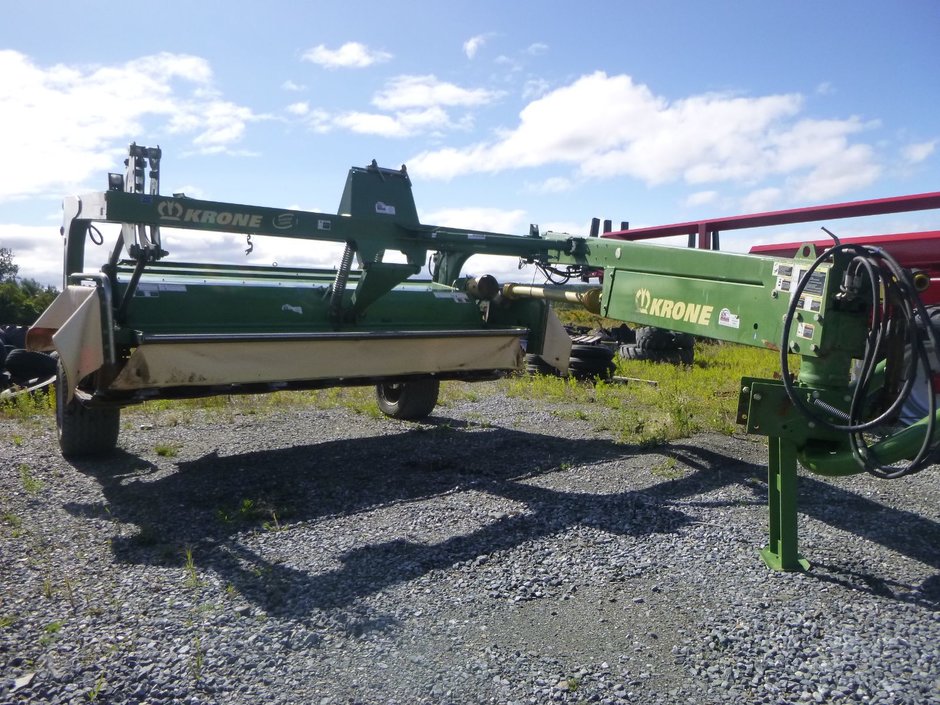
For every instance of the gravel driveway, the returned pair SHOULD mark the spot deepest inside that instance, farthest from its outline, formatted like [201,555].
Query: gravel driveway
[498,553]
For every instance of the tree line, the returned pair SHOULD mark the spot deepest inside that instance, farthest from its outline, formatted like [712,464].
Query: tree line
[21,300]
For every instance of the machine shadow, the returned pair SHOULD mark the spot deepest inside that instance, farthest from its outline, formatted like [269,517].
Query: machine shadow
[208,503]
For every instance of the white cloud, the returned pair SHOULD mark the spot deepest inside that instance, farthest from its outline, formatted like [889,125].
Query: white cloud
[700,198]
[37,251]
[415,105]
[301,108]
[80,118]
[535,88]
[701,139]
[761,200]
[536,48]
[351,55]
[403,124]
[293,87]
[473,45]
[553,184]
[918,152]
[425,91]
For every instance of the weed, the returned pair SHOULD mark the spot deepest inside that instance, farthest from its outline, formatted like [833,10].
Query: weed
[70,593]
[49,633]
[274,524]
[192,575]
[17,440]
[668,469]
[198,659]
[166,450]
[96,689]
[32,485]
[14,522]
[7,620]
[47,590]
[231,591]
[28,407]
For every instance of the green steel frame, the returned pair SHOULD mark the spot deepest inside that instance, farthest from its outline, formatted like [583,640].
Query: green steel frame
[723,296]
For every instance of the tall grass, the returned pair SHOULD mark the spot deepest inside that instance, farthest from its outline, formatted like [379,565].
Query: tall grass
[658,402]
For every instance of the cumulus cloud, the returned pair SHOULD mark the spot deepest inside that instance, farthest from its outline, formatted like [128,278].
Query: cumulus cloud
[918,152]
[293,87]
[536,48]
[425,91]
[413,104]
[80,118]
[702,139]
[351,55]
[700,198]
[473,45]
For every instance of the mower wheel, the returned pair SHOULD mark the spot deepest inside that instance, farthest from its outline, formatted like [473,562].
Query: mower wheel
[83,431]
[407,400]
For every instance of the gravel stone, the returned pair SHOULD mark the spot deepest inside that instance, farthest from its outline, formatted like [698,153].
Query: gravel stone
[497,552]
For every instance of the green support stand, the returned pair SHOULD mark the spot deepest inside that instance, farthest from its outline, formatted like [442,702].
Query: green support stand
[781,553]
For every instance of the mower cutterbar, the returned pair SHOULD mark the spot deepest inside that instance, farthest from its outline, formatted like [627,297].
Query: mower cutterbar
[146,327]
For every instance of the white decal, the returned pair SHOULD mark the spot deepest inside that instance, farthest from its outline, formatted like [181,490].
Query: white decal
[324,225]
[728,319]
[384,208]
[293,309]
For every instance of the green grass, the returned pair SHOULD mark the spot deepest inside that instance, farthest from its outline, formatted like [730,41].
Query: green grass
[28,407]
[32,485]
[680,402]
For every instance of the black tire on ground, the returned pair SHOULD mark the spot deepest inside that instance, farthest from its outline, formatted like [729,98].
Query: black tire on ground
[408,400]
[650,338]
[588,369]
[14,335]
[678,356]
[83,432]
[591,352]
[535,365]
[26,365]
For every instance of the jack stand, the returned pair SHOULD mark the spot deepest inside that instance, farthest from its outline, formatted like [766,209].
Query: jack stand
[781,553]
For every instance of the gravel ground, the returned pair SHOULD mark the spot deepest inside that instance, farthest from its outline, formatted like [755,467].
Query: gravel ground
[498,553]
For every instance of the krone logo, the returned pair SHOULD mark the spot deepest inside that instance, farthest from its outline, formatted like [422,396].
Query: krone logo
[170,210]
[643,298]
[285,221]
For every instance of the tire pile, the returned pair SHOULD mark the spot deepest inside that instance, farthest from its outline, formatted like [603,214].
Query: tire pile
[593,351]
[20,367]
[660,345]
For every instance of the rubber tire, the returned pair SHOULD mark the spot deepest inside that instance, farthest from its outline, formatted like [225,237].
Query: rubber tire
[535,365]
[589,369]
[25,365]
[677,356]
[83,432]
[591,352]
[408,400]
[651,338]
[14,335]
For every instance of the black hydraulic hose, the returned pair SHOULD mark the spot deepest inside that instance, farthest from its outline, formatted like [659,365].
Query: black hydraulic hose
[900,302]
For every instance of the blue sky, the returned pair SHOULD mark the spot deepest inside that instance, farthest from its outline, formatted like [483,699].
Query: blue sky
[506,113]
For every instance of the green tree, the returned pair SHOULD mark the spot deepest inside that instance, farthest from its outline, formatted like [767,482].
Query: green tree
[21,301]
[8,270]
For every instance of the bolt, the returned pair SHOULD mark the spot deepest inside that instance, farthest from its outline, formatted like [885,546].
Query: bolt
[756,397]
[745,390]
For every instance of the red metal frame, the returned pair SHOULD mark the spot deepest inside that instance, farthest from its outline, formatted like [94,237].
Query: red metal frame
[704,230]
[911,250]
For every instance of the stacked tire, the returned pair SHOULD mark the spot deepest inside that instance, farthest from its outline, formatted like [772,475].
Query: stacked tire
[19,366]
[591,362]
[535,365]
[660,345]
